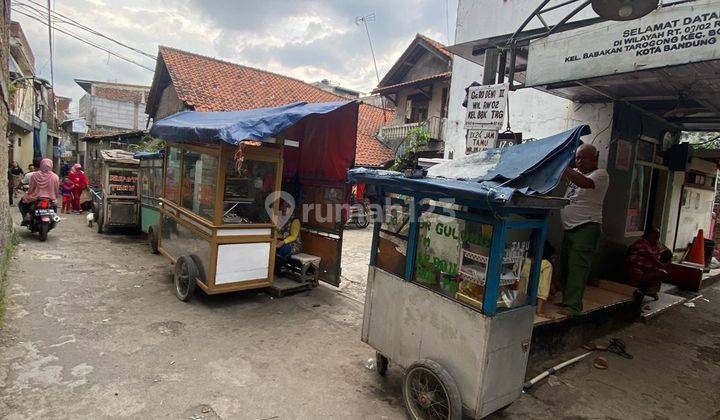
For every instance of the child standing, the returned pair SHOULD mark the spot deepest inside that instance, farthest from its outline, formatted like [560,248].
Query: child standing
[67,190]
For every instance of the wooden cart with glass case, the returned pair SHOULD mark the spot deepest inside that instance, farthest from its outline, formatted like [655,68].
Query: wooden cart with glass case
[222,186]
[214,223]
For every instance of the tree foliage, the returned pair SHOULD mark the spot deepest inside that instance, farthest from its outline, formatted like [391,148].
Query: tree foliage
[416,141]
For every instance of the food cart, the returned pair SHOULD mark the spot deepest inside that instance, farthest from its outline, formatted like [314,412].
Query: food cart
[223,181]
[453,273]
[151,175]
[118,202]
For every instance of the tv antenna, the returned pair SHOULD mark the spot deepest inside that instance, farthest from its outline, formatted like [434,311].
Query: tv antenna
[365,19]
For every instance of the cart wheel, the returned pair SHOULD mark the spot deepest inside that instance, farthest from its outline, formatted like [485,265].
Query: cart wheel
[186,271]
[382,363]
[430,392]
[99,219]
[153,237]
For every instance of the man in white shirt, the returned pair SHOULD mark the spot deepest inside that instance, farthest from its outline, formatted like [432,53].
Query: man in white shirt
[582,222]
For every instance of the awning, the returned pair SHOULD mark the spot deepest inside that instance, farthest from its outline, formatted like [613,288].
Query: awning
[494,175]
[236,126]
[665,64]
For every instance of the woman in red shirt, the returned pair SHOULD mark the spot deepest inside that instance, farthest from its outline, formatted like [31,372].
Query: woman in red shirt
[80,182]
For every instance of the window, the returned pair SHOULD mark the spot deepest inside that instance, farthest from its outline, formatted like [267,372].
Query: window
[198,191]
[172,174]
[453,259]
[246,190]
[392,242]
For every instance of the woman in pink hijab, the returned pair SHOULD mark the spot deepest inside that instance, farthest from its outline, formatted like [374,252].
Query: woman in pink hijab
[43,184]
[80,182]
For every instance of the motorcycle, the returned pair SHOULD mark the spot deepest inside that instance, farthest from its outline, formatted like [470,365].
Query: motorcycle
[43,217]
[358,215]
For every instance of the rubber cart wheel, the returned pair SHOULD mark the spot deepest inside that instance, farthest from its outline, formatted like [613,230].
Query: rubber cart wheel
[382,363]
[153,237]
[429,392]
[99,219]
[186,272]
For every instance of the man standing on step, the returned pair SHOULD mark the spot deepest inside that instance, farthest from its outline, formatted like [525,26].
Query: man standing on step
[582,222]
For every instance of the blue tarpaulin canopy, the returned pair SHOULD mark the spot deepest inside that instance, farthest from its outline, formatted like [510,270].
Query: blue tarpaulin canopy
[235,126]
[493,175]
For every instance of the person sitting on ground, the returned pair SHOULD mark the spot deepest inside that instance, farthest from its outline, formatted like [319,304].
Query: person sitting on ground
[43,184]
[289,242]
[647,262]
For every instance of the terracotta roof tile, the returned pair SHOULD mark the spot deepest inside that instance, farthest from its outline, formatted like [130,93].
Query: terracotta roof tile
[123,95]
[438,46]
[411,82]
[370,152]
[209,84]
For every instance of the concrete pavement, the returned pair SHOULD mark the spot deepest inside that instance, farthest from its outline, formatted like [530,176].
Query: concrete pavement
[93,330]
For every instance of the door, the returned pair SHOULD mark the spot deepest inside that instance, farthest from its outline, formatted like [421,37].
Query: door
[322,219]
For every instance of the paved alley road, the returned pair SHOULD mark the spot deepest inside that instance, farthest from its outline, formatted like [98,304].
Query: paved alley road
[93,330]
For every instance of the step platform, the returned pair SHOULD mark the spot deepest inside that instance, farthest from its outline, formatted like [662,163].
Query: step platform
[283,286]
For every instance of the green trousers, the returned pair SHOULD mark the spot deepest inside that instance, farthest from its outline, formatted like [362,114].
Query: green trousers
[578,249]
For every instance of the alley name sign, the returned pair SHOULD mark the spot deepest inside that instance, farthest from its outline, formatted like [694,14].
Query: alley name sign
[671,35]
[486,107]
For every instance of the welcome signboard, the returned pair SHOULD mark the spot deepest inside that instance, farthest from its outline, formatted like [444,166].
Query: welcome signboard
[669,36]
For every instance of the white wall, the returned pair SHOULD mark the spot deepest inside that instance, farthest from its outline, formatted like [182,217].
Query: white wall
[534,113]
[106,113]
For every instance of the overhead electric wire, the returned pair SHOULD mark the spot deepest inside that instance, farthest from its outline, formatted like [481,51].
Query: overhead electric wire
[70,21]
[72,35]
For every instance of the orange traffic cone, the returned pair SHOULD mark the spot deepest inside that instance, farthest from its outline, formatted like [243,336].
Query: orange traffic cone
[697,252]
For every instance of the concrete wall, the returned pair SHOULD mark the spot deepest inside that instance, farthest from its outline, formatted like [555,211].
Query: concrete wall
[532,112]
[106,114]
[5,219]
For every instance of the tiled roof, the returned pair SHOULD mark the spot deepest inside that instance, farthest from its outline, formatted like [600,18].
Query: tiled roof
[208,84]
[123,95]
[438,46]
[370,152]
[412,82]
[408,59]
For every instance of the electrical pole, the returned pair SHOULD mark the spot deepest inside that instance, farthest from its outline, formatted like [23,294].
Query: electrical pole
[50,43]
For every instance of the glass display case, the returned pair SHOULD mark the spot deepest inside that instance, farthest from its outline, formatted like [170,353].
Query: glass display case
[214,217]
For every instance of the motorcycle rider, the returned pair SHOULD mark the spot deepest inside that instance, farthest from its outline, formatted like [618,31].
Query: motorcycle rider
[43,184]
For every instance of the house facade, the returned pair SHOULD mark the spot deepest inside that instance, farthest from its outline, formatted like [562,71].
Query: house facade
[113,107]
[636,111]
[418,86]
[22,99]
[182,80]
[33,127]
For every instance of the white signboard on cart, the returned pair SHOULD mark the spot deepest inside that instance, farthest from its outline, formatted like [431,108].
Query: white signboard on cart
[669,36]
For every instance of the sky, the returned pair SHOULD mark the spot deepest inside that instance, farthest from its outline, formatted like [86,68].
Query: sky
[307,39]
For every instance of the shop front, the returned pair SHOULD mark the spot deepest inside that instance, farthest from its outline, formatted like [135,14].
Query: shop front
[639,84]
